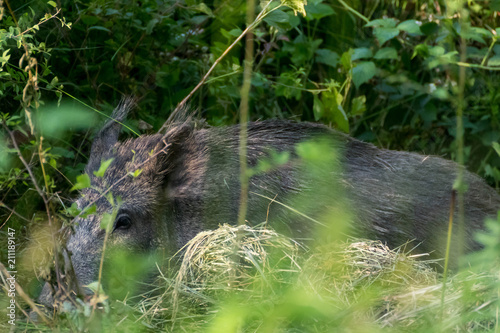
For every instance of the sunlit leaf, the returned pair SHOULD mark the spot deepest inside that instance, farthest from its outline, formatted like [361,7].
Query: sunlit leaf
[103,167]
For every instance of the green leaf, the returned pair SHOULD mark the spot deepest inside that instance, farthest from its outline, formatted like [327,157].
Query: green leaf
[386,53]
[382,23]
[361,53]
[202,7]
[82,181]
[495,5]
[429,28]
[363,72]
[318,11]
[73,210]
[136,173]
[318,108]
[327,57]
[496,146]
[411,27]
[275,17]
[385,34]
[103,167]
[52,3]
[358,105]
[107,221]
[89,20]
[98,27]
[346,59]
[54,120]
[90,210]
[332,102]
[494,61]
[94,286]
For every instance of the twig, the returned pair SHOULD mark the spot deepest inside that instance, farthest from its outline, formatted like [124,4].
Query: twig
[41,22]
[40,192]
[13,212]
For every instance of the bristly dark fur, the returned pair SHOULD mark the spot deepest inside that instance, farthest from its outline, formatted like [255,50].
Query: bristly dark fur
[189,182]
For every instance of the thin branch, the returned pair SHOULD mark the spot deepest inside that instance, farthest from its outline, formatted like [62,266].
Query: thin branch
[13,212]
[40,192]
[41,22]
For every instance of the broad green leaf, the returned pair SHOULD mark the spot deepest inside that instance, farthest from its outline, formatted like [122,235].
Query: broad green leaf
[382,23]
[386,53]
[103,167]
[385,34]
[318,11]
[327,57]
[334,111]
[496,146]
[98,27]
[411,27]
[494,61]
[358,105]
[363,72]
[82,181]
[436,51]
[202,7]
[429,28]
[52,3]
[89,20]
[361,53]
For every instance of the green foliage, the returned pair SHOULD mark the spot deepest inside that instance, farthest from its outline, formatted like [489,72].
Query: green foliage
[382,71]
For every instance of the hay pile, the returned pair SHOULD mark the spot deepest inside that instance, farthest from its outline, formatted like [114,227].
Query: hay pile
[362,280]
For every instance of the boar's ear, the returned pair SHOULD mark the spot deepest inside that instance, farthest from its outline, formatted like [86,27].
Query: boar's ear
[108,135]
[176,145]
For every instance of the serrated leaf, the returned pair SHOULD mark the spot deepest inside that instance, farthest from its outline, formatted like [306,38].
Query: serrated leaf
[363,72]
[103,167]
[82,181]
[386,53]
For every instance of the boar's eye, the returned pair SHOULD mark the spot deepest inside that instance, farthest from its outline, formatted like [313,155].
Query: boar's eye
[123,221]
